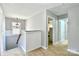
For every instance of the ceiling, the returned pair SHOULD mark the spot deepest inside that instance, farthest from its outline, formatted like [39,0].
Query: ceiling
[25,10]
[62,9]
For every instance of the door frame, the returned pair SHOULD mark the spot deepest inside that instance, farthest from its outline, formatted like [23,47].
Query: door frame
[47,29]
[66,28]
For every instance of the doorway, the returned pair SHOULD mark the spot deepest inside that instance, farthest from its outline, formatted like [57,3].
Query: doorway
[63,31]
[50,31]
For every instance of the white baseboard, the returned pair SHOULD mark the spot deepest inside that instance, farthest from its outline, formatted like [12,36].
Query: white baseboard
[32,49]
[36,48]
[44,47]
[23,49]
[73,51]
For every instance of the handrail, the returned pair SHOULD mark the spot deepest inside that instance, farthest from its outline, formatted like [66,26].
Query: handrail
[18,38]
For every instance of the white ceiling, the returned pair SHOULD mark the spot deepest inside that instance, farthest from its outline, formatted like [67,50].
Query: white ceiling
[62,9]
[25,10]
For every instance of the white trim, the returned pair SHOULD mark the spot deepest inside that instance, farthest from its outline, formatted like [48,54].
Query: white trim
[36,48]
[28,50]
[53,18]
[23,49]
[73,51]
[44,47]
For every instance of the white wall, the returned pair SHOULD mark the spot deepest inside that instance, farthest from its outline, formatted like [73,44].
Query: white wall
[35,22]
[38,22]
[73,28]
[33,40]
[2,30]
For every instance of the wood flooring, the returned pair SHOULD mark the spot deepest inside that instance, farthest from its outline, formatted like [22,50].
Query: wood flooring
[56,50]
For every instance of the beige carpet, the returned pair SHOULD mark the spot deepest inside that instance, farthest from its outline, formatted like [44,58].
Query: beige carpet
[13,52]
